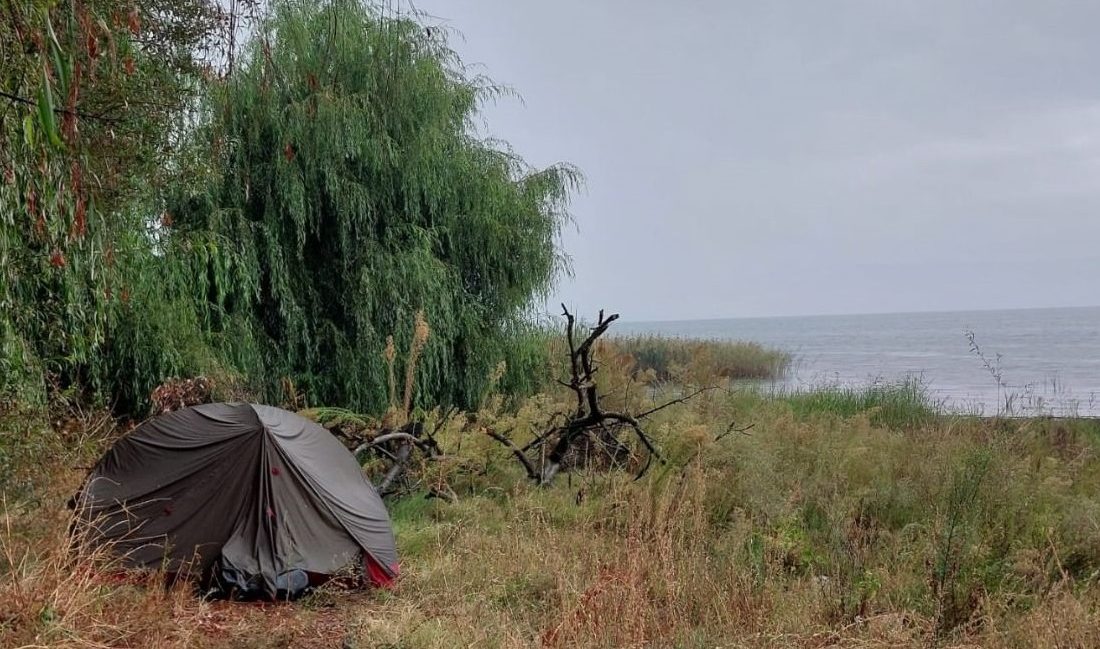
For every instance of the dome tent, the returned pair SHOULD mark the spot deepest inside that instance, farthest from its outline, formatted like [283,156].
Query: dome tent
[249,497]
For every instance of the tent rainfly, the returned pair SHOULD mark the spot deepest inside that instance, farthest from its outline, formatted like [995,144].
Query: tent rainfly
[255,500]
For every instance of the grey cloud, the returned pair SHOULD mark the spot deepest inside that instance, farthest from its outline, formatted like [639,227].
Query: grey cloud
[808,157]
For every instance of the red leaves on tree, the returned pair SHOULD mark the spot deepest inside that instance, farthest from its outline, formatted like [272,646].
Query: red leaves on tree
[57,259]
[69,119]
[134,20]
[80,225]
[288,152]
[80,211]
[33,212]
[128,63]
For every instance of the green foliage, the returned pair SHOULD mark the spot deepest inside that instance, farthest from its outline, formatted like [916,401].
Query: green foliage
[950,518]
[20,425]
[273,226]
[679,358]
[905,404]
[529,355]
[953,573]
[348,193]
[93,95]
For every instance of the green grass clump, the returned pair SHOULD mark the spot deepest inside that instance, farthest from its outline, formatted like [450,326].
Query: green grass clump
[903,404]
[671,358]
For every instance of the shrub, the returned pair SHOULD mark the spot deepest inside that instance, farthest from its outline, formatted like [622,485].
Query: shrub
[700,361]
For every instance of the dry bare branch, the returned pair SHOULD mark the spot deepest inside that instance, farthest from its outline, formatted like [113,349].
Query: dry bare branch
[589,420]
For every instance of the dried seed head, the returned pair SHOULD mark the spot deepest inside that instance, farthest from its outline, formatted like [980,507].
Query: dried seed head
[422,331]
[498,373]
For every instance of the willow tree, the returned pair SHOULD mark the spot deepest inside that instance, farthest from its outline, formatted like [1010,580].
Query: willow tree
[350,191]
[91,93]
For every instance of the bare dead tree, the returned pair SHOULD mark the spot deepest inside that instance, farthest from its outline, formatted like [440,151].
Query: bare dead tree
[585,430]
[589,420]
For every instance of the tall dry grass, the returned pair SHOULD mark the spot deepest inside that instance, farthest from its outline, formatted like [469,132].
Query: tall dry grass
[813,531]
[826,524]
[52,597]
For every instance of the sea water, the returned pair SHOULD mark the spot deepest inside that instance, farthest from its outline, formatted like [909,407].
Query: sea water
[1017,362]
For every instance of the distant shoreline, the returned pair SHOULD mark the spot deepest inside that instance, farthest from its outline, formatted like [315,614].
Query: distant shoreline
[629,323]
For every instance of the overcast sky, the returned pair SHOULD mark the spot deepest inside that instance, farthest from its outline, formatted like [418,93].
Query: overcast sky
[781,158]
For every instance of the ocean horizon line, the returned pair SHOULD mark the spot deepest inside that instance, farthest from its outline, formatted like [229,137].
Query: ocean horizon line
[862,313]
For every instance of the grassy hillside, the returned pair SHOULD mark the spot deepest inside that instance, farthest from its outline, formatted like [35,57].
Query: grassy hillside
[838,519]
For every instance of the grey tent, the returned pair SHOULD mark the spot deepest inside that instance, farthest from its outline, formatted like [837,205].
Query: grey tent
[248,496]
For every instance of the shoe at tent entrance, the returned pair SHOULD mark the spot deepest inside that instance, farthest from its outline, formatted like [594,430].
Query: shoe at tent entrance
[258,502]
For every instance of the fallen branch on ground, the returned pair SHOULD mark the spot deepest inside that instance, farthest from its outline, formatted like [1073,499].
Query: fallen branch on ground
[399,447]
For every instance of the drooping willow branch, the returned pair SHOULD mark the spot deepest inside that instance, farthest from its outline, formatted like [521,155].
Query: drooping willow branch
[102,117]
